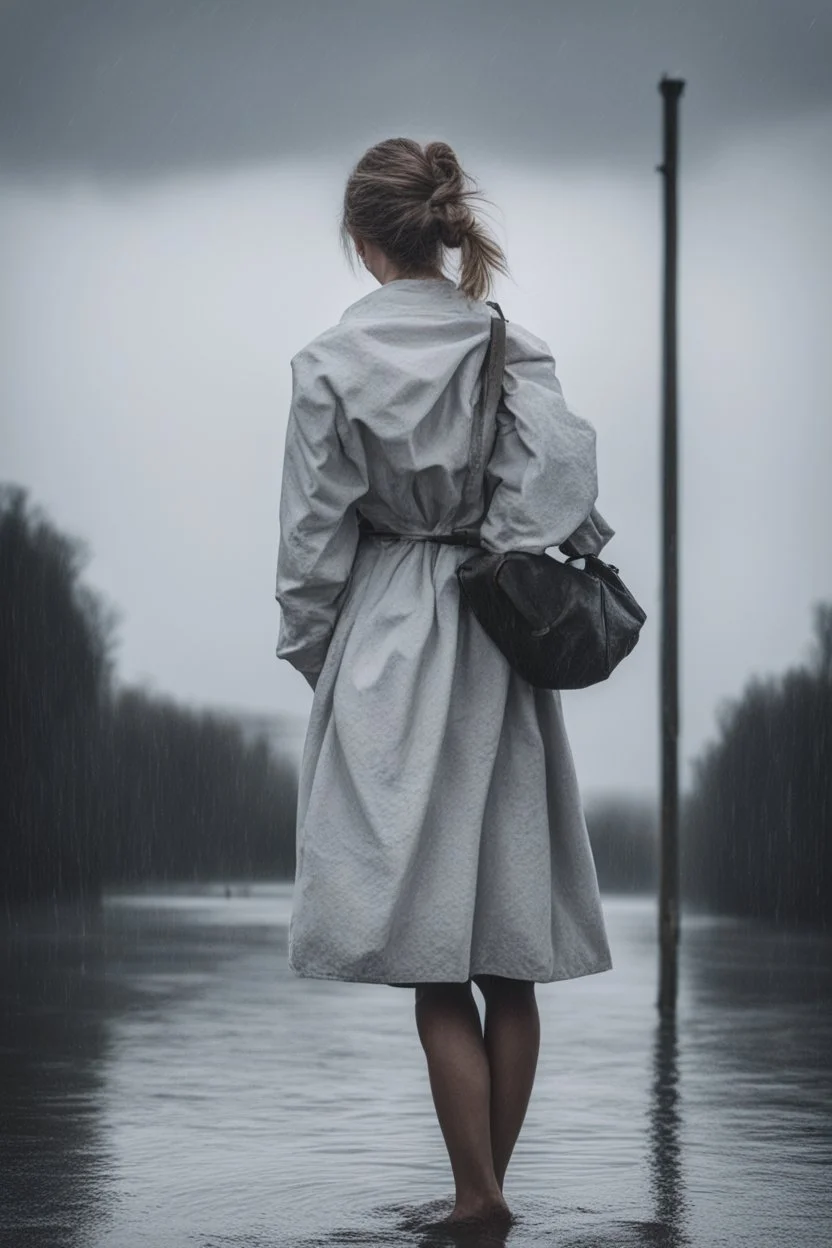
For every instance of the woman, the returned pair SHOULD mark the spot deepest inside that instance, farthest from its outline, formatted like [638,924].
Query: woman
[440,834]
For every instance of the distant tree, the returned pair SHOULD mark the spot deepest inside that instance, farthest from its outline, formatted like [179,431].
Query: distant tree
[758,820]
[822,657]
[190,798]
[55,667]
[104,784]
[623,834]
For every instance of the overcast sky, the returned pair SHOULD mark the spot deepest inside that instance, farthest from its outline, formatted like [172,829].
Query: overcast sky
[170,180]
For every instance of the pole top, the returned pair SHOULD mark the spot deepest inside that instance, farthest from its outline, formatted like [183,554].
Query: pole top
[672,87]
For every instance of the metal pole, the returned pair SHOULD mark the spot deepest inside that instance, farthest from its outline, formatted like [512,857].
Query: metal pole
[671,89]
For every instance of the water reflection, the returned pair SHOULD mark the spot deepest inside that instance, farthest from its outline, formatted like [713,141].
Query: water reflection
[666,1161]
[667,1229]
[56,1004]
[166,1080]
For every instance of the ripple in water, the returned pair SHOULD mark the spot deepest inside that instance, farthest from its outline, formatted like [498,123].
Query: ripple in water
[167,1081]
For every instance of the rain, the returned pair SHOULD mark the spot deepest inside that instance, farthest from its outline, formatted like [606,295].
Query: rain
[171,174]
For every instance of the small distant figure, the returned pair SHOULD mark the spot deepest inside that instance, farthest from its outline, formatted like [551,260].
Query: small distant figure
[228,890]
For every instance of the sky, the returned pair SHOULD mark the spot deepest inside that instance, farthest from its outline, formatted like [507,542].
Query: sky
[170,184]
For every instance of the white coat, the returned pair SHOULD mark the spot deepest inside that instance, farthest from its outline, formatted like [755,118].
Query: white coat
[440,832]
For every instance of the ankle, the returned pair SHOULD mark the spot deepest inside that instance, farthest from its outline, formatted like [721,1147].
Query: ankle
[483,1210]
[477,1199]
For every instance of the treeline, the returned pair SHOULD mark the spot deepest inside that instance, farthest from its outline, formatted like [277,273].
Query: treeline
[103,784]
[190,798]
[757,833]
[623,832]
[756,824]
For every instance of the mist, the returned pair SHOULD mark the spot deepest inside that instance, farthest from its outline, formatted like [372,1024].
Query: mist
[145,338]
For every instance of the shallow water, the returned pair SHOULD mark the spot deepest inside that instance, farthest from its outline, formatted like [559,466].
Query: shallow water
[167,1081]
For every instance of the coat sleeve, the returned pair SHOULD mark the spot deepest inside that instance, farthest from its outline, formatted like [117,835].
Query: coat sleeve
[542,473]
[321,485]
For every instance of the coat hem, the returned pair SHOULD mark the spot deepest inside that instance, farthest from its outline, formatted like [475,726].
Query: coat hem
[576,973]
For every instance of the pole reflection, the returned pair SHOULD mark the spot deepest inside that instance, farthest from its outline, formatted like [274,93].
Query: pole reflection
[667,1183]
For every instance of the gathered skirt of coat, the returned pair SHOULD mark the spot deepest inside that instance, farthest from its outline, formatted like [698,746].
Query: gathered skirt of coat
[448,841]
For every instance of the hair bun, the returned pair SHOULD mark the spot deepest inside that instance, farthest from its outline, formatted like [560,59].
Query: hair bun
[446,203]
[445,173]
[442,161]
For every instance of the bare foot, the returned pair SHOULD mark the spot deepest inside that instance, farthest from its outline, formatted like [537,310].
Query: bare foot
[491,1212]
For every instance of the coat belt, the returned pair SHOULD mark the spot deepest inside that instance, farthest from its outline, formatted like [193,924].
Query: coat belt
[462,537]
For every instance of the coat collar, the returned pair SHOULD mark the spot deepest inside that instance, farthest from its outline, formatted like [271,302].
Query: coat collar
[409,293]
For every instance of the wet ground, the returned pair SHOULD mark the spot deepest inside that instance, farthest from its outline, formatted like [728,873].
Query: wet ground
[166,1081]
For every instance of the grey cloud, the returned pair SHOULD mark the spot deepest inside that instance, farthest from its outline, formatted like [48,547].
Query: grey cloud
[140,88]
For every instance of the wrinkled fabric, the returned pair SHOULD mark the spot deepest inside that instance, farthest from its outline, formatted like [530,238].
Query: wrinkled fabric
[440,832]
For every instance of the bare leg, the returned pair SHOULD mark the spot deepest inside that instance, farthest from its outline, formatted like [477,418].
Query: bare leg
[512,1043]
[449,1028]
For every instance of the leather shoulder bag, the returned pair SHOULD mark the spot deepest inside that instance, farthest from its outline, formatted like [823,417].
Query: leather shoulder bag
[559,625]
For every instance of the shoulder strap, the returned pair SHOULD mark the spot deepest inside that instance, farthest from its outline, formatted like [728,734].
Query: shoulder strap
[494,375]
[484,421]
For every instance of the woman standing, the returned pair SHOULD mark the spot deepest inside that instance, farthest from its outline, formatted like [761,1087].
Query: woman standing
[440,834]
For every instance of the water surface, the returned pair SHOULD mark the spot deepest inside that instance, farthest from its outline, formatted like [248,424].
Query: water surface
[167,1081]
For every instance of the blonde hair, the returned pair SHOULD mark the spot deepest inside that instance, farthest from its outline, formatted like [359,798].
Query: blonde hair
[412,201]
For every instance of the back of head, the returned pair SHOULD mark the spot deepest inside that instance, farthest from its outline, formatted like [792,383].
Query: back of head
[413,201]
